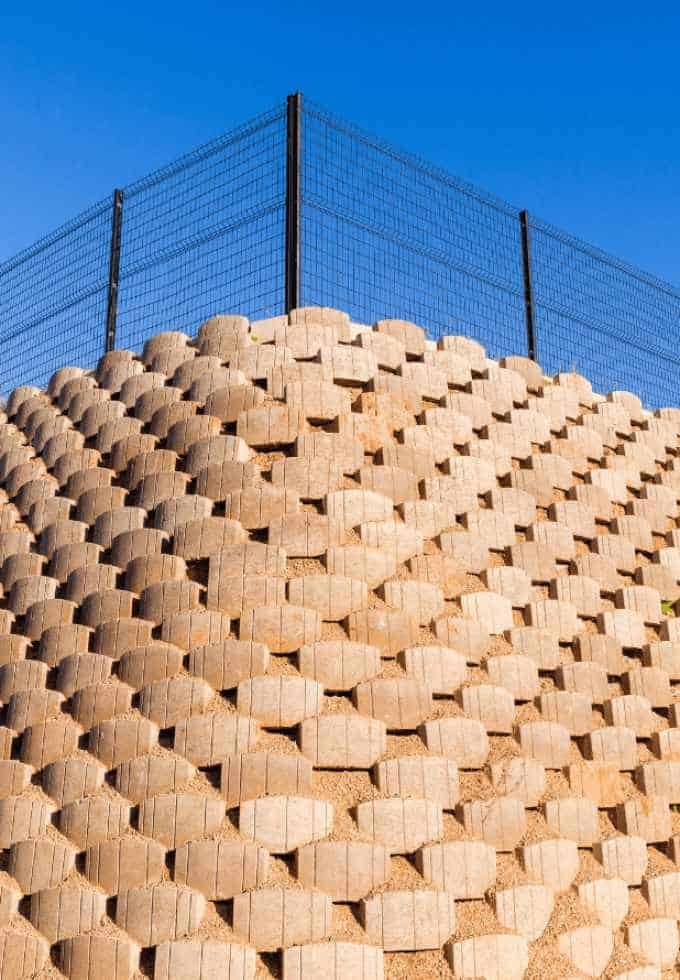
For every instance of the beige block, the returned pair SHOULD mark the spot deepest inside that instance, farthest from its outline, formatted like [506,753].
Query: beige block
[632,711]
[279,701]
[402,703]
[553,863]
[438,668]
[339,665]
[391,630]
[334,597]
[520,779]
[333,960]
[607,898]
[465,636]
[500,822]
[158,912]
[490,704]
[175,818]
[574,818]
[206,740]
[89,957]
[587,948]
[655,939]
[124,863]
[524,909]
[220,869]
[342,741]
[422,776]
[464,869]
[494,957]
[202,959]
[345,870]
[371,565]
[409,920]
[598,781]
[276,918]
[463,740]
[282,823]
[402,825]
[249,775]
[516,673]
[283,629]
[622,856]
[569,709]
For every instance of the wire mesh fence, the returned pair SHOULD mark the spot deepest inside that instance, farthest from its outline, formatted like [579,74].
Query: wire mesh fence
[381,233]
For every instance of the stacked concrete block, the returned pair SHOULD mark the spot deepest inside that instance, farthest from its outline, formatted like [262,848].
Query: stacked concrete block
[302,617]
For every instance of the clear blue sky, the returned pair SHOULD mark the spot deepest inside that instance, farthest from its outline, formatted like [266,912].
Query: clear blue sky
[569,110]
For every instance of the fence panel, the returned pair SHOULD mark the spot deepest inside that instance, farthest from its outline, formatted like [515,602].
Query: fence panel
[53,301]
[597,315]
[205,235]
[384,234]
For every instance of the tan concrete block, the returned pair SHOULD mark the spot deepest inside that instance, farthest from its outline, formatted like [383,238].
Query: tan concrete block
[495,957]
[60,913]
[614,744]
[402,703]
[175,818]
[567,708]
[491,704]
[340,665]
[582,592]
[496,531]
[333,960]
[399,541]
[204,536]
[662,894]
[620,551]
[464,869]
[553,863]
[467,552]
[159,912]
[547,742]
[256,507]
[391,630]
[393,482]
[89,956]
[206,740]
[306,535]
[438,668]
[649,818]
[282,823]
[310,479]
[602,650]
[512,583]
[598,781]
[220,869]
[344,450]
[524,909]
[402,825]
[40,864]
[345,870]
[123,863]
[279,701]
[202,959]
[652,683]
[426,777]
[573,818]
[537,561]
[632,711]
[283,629]
[500,822]
[409,920]
[540,645]
[342,741]
[516,673]
[588,948]
[334,597]
[465,636]
[249,775]
[520,779]
[559,617]
[655,939]
[463,740]
[584,678]
[22,954]
[93,820]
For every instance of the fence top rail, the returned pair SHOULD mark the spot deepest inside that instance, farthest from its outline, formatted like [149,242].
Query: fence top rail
[94,211]
[206,150]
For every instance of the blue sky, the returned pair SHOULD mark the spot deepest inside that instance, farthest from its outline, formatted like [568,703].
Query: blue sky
[568,110]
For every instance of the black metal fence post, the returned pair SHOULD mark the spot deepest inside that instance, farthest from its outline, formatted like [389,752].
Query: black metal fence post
[114,271]
[528,285]
[293,145]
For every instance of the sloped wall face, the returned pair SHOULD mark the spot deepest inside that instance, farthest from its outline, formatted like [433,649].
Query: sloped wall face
[329,651]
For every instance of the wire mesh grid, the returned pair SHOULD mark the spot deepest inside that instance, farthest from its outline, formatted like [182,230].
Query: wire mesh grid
[382,234]
[385,234]
[205,235]
[53,301]
[604,318]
